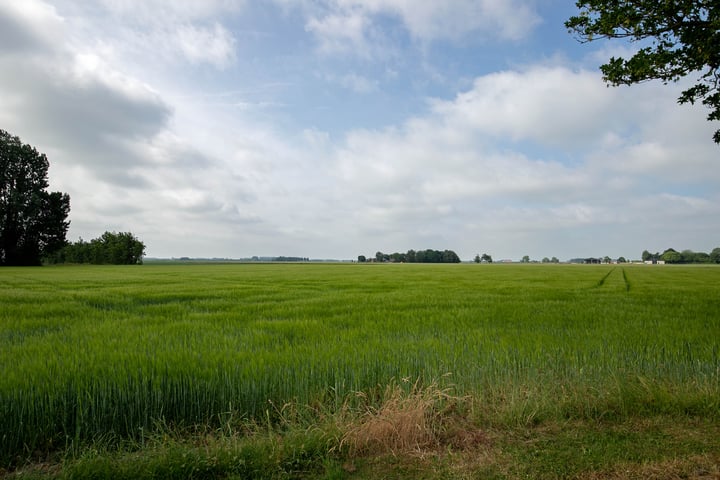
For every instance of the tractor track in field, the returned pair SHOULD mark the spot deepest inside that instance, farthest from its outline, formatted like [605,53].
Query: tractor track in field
[601,282]
[605,277]
[626,280]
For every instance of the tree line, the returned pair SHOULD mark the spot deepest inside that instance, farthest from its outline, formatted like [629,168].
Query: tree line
[686,256]
[109,249]
[413,256]
[485,258]
[33,221]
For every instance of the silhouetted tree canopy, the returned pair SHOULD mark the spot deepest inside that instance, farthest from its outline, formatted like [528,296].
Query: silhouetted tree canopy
[671,255]
[110,248]
[419,256]
[32,220]
[679,38]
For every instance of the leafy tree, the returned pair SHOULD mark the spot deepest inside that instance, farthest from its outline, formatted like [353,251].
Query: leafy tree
[477,258]
[701,257]
[486,258]
[622,260]
[110,248]
[420,256]
[362,259]
[525,259]
[398,257]
[686,256]
[545,260]
[555,260]
[606,259]
[671,256]
[433,256]
[448,256]
[682,38]
[647,256]
[32,220]
[121,248]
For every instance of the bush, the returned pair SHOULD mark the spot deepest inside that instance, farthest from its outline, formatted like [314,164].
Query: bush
[110,248]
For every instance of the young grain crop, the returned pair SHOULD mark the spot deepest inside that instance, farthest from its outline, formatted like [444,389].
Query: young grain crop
[113,352]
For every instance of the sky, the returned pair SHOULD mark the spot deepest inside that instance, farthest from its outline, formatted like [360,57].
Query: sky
[338,128]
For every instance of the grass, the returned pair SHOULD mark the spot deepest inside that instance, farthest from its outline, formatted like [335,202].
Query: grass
[350,371]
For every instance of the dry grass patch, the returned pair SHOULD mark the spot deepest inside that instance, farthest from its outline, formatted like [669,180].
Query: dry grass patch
[417,419]
[697,467]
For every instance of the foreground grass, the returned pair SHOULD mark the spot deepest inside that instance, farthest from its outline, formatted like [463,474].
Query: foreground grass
[340,371]
[644,448]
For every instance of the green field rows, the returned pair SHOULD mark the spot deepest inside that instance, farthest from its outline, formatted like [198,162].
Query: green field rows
[111,352]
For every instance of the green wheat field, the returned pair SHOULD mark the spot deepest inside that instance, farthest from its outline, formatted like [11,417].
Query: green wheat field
[113,355]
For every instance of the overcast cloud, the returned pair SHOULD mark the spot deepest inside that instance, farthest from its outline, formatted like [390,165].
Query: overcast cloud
[334,128]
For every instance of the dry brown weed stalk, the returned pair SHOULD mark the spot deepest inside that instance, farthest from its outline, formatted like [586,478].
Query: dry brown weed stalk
[407,420]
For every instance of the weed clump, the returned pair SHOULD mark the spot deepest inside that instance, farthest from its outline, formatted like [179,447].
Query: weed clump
[410,418]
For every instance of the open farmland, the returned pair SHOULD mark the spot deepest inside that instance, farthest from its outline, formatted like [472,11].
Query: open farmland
[112,353]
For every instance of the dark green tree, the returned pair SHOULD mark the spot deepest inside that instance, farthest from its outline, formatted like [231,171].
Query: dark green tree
[449,256]
[477,258]
[109,249]
[486,258]
[679,38]
[432,256]
[32,220]
[120,249]
[671,256]
[398,257]
[715,255]
[701,257]
[419,256]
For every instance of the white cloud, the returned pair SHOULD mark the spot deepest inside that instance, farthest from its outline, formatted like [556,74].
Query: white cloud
[549,105]
[431,20]
[152,126]
[460,165]
[350,26]
[176,11]
[28,25]
[212,45]
[172,32]
[77,103]
[341,33]
[354,82]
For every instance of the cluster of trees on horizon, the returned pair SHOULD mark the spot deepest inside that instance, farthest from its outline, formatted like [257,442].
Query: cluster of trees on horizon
[484,259]
[109,249]
[686,256]
[33,221]
[412,256]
